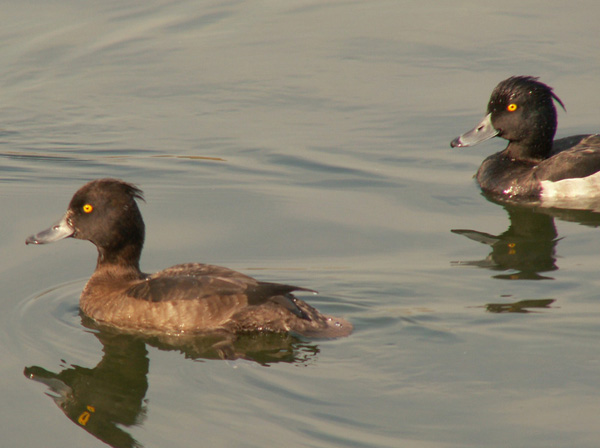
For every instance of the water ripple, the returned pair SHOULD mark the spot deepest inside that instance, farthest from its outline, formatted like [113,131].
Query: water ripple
[49,323]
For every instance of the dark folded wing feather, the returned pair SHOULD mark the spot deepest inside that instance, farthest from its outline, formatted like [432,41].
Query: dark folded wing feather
[195,281]
[162,289]
[577,156]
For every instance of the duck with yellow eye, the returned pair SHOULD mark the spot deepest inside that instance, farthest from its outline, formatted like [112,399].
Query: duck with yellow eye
[188,298]
[533,166]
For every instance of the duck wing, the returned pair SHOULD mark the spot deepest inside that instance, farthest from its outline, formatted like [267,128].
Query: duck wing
[573,157]
[201,282]
[164,289]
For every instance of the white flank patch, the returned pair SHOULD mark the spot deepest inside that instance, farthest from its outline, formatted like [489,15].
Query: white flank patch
[562,192]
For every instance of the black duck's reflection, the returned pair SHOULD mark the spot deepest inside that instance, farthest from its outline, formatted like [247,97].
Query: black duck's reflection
[110,397]
[528,247]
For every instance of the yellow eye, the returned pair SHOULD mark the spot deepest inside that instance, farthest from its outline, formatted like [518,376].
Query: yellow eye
[511,107]
[87,208]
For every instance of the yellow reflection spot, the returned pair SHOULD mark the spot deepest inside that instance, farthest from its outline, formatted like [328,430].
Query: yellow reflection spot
[84,418]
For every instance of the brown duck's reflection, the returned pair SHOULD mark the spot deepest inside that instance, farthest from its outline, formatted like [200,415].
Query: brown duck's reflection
[528,247]
[106,399]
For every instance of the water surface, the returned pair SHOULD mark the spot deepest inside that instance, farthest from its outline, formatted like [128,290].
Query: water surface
[305,143]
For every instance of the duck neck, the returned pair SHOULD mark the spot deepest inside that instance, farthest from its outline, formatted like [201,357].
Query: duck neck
[533,142]
[126,256]
[534,151]
[122,248]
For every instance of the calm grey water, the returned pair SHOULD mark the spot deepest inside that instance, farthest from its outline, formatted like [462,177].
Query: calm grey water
[304,142]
